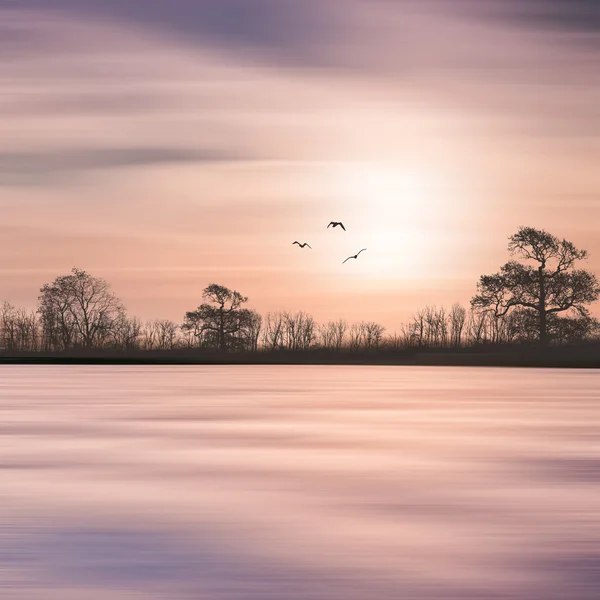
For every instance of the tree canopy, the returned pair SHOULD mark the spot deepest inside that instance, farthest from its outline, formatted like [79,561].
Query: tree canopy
[221,323]
[546,283]
[78,310]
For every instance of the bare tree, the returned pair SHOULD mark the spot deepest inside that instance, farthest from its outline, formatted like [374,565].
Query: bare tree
[408,335]
[307,332]
[442,327]
[394,341]
[8,327]
[372,334]
[477,327]
[272,331]
[299,330]
[458,317]
[253,330]
[149,335]
[339,333]
[332,334]
[355,335]
[163,334]
[78,310]
[166,334]
[29,331]
[127,333]
[19,329]
[325,333]
[187,338]
[419,328]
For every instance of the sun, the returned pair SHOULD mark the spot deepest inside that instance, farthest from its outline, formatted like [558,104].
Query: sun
[391,209]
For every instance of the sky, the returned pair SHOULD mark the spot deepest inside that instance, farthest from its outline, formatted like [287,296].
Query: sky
[170,144]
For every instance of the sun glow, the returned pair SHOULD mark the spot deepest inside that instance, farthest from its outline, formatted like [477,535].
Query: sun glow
[392,211]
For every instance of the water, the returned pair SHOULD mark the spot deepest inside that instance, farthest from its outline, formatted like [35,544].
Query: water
[285,483]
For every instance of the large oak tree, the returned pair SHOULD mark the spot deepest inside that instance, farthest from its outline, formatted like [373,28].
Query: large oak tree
[221,322]
[546,282]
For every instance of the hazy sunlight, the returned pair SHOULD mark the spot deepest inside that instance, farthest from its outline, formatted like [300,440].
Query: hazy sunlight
[396,208]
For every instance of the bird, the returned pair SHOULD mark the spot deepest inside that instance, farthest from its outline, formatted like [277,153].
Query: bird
[335,224]
[302,245]
[355,256]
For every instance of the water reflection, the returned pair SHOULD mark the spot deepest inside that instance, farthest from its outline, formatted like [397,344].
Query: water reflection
[299,482]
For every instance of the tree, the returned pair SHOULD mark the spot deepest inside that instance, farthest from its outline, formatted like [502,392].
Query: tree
[416,332]
[127,333]
[551,285]
[458,317]
[365,336]
[325,335]
[165,334]
[18,328]
[372,335]
[560,329]
[272,332]
[332,334]
[252,330]
[477,327]
[299,330]
[78,310]
[339,333]
[355,335]
[220,322]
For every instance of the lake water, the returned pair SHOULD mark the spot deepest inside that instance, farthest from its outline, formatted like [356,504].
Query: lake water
[299,482]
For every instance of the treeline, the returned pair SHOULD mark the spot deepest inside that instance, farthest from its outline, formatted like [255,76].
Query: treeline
[542,299]
[79,311]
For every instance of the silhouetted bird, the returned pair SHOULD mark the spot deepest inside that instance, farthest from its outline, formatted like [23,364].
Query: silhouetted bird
[302,245]
[335,224]
[355,256]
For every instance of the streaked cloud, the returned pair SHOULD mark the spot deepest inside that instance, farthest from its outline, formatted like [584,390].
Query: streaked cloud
[550,15]
[38,168]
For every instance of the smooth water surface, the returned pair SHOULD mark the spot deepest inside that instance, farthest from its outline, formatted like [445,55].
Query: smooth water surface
[297,482]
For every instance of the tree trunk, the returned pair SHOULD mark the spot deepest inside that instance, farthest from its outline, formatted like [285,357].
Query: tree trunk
[543,328]
[221,329]
[542,308]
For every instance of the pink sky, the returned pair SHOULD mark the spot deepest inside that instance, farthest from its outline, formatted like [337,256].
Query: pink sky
[164,161]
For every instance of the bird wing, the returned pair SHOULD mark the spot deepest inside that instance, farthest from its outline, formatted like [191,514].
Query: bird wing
[342,226]
[296,243]
[309,246]
[330,224]
[349,258]
[361,251]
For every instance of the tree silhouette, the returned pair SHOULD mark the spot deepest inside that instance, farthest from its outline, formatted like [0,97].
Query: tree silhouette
[458,317]
[551,285]
[78,310]
[221,322]
[19,329]
[272,332]
[543,296]
[299,330]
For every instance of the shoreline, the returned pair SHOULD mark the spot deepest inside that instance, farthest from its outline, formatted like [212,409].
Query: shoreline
[586,357]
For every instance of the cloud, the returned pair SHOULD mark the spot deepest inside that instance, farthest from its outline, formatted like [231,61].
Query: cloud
[91,103]
[370,36]
[288,29]
[581,16]
[22,168]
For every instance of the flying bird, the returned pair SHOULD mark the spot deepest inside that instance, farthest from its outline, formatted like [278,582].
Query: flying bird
[302,245]
[335,224]
[355,256]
